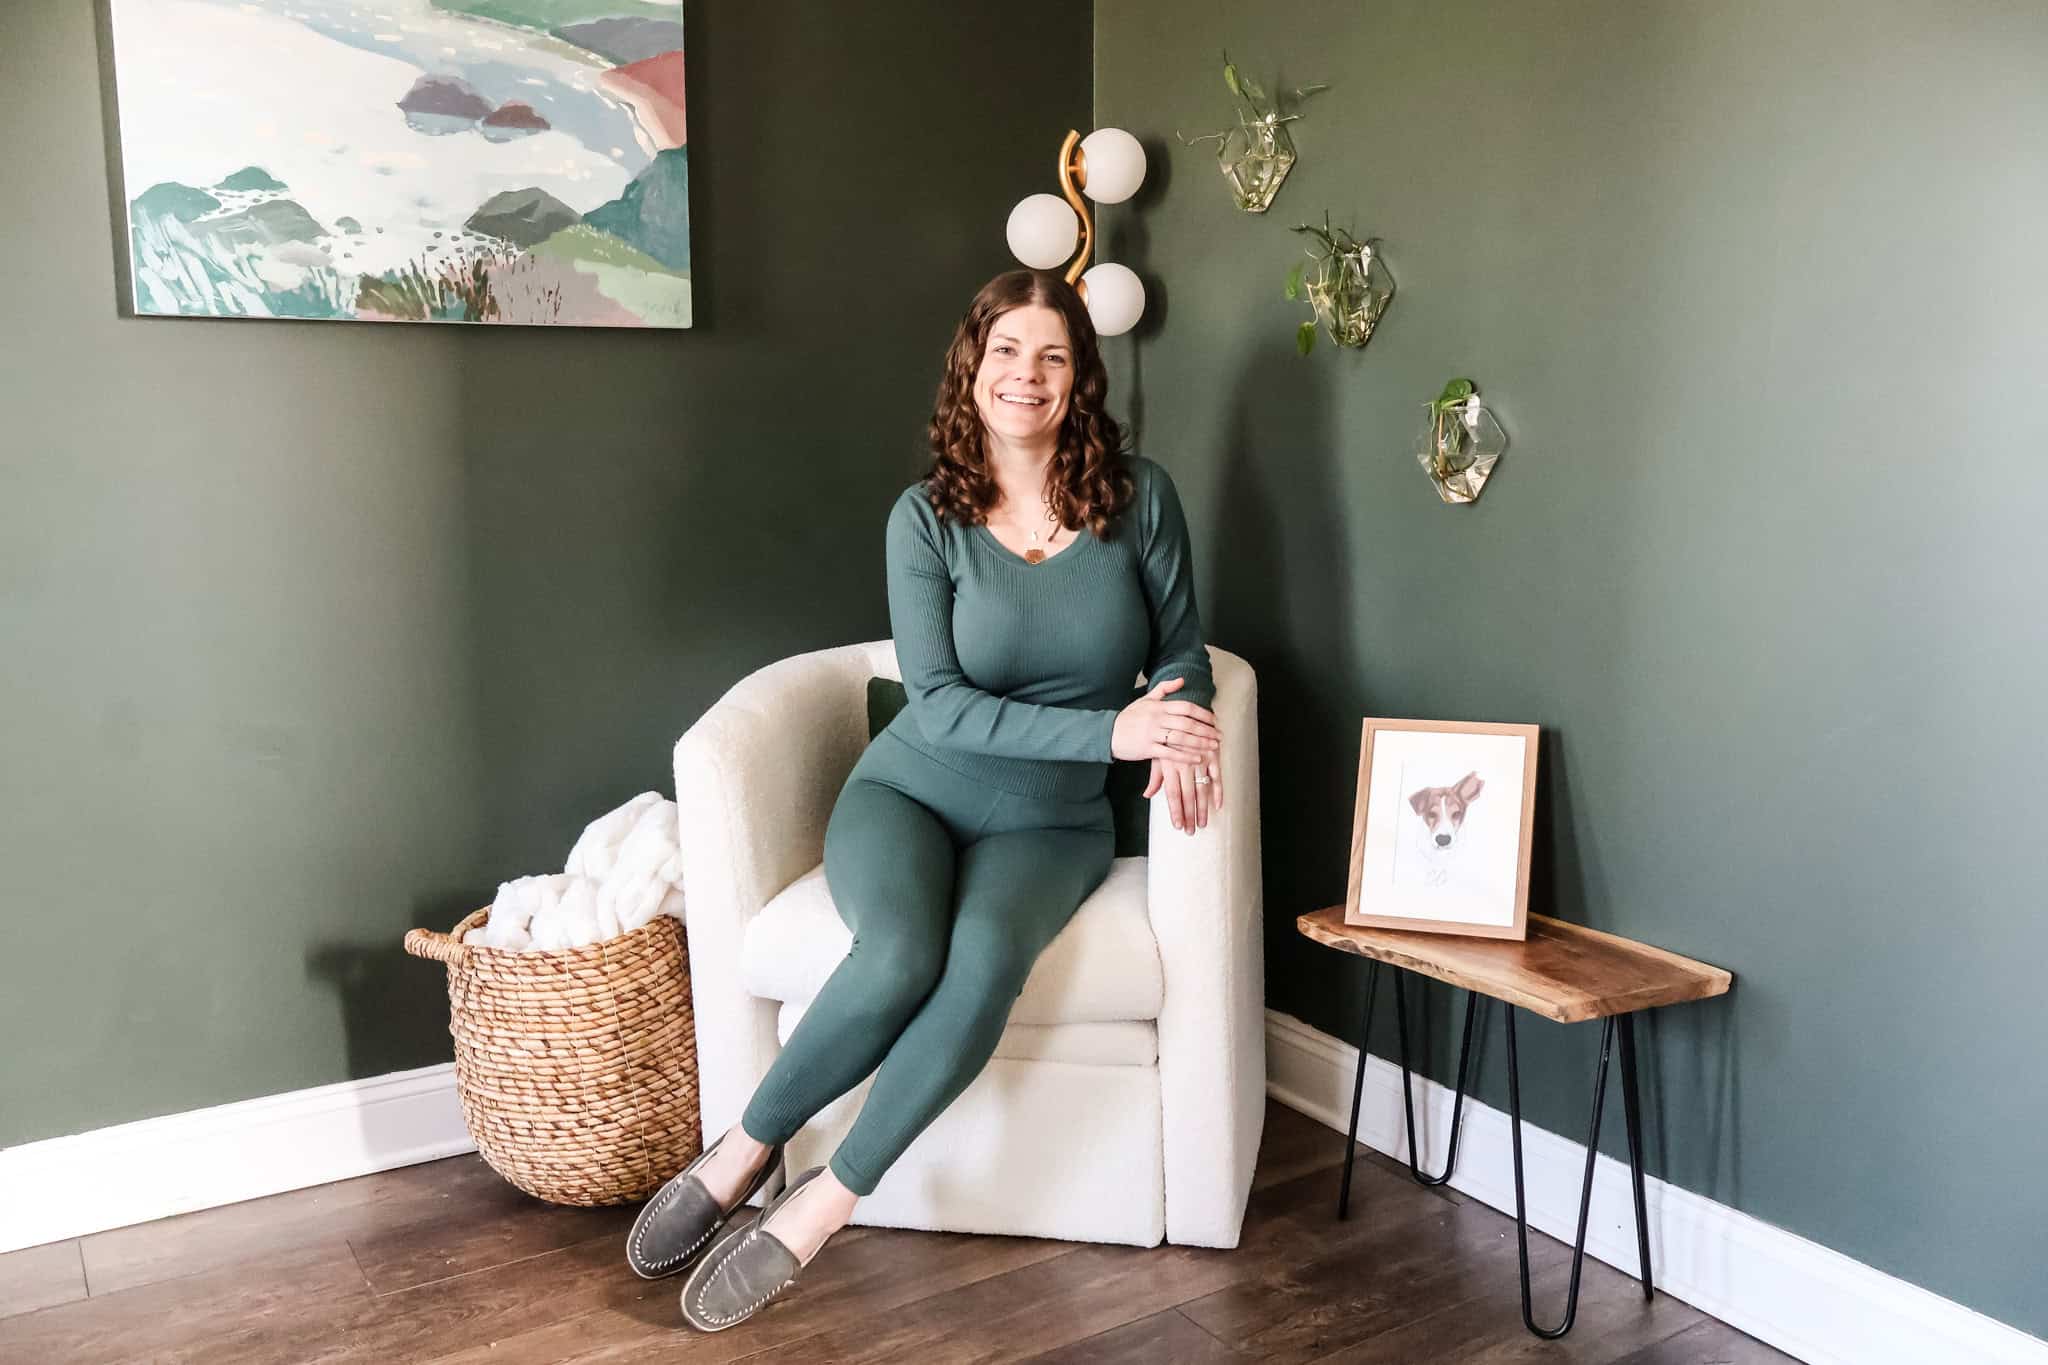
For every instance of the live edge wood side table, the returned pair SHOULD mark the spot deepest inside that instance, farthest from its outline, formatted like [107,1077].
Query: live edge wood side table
[1562,971]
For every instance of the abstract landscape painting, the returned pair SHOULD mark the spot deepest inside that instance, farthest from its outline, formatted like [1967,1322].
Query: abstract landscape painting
[506,161]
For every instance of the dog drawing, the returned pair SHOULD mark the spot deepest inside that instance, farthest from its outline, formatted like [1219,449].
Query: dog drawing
[1441,812]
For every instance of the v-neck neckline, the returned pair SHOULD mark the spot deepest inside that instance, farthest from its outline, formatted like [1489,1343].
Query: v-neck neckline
[1011,556]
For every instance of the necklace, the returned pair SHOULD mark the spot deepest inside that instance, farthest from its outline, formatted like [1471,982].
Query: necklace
[1036,553]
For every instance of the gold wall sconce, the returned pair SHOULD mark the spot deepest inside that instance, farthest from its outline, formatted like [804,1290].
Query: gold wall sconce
[1045,230]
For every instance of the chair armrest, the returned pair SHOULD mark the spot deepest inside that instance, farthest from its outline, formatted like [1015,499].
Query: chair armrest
[756,779]
[1205,897]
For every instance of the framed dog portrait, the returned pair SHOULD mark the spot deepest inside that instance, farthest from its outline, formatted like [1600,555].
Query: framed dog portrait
[1441,830]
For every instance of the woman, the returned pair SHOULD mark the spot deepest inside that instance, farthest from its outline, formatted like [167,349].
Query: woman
[1032,573]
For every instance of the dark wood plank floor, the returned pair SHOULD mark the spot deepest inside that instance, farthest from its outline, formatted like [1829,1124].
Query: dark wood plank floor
[446,1263]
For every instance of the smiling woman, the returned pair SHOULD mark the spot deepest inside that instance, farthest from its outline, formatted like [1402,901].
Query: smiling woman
[976,821]
[1020,427]
[1020,392]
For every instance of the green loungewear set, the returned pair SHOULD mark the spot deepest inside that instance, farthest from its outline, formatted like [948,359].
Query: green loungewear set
[976,823]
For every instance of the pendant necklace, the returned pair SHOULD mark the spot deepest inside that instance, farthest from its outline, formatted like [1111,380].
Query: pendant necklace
[1036,554]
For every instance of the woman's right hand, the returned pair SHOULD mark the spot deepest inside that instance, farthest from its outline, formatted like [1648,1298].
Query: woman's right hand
[1144,727]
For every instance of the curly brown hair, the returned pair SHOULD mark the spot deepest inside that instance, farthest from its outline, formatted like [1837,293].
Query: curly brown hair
[1087,478]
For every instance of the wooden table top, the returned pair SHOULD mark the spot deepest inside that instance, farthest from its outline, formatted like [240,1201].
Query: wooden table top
[1565,972]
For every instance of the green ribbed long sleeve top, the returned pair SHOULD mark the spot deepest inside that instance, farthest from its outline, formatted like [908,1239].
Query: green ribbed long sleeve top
[1015,671]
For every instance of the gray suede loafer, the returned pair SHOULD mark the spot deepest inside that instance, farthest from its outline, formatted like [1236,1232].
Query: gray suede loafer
[744,1269]
[677,1224]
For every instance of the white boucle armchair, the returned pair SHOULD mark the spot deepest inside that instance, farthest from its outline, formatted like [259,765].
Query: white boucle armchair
[1126,1098]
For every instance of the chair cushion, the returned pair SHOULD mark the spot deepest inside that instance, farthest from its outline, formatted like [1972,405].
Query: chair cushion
[1132,1042]
[1102,968]
[1129,807]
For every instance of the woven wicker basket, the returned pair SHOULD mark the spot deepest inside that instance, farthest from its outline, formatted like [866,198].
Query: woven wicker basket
[577,1068]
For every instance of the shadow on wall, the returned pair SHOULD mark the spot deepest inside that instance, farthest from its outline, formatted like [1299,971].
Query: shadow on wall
[1278,519]
[389,999]
[1696,1051]
[1126,242]
[1692,1052]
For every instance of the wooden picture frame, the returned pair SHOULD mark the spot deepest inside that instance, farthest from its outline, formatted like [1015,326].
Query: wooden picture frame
[1429,850]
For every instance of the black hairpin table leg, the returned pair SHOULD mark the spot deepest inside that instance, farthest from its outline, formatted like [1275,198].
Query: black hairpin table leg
[1628,1092]
[1407,1084]
[1408,1089]
[1632,1110]
[1372,981]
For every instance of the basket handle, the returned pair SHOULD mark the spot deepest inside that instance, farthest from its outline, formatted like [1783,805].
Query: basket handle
[440,947]
[448,947]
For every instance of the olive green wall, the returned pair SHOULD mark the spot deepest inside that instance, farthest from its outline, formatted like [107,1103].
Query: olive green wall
[1757,292]
[316,631]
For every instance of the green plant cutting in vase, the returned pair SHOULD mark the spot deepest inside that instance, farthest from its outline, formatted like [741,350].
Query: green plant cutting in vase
[1462,442]
[1256,155]
[1346,285]
[1454,394]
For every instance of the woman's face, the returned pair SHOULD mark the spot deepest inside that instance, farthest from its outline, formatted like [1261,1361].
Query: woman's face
[1026,375]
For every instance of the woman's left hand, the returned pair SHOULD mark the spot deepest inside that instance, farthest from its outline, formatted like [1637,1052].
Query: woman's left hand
[1189,802]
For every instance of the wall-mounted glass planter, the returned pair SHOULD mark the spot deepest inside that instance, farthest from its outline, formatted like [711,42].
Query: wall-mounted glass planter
[1255,157]
[1347,285]
[1461,443]
[1349,291]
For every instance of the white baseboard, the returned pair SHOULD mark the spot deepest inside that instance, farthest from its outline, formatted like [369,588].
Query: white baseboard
[1802,1298]
[152,1168]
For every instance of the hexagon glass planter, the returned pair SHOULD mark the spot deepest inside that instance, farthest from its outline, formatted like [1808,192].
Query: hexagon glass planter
[1349,290]
[1460,447]
[1254,158]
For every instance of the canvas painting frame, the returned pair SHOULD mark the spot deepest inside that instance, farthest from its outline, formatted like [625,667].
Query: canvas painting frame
[1442,827]
[494,162]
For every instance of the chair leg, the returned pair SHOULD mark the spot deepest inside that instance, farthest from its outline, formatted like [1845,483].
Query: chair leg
[1571,1304]
[1408,1088]
[1372,981]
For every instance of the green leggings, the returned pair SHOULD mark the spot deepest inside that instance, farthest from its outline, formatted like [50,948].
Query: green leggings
[952,889]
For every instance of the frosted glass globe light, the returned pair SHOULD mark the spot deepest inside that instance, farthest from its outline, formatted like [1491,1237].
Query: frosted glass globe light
[1115,165]
[1116,298]
[1042,231]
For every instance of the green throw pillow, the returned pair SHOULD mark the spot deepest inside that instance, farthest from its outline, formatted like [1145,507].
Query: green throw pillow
[1128,806]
